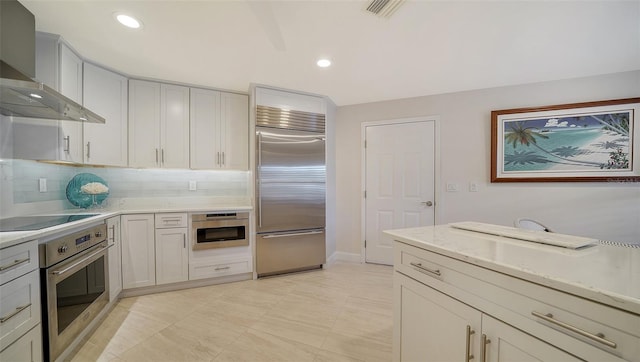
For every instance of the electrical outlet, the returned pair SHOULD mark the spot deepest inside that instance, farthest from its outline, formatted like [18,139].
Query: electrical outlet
[452,187]
[473,186]
[192,186]
[42,184]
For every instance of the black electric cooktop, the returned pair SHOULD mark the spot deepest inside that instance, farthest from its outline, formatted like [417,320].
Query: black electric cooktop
[29,223]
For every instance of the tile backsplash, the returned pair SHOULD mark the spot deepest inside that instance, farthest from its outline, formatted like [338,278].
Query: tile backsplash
[20,182]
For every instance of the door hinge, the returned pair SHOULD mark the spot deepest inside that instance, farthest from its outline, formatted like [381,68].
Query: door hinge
[365,194]
[365,243]
[365,143]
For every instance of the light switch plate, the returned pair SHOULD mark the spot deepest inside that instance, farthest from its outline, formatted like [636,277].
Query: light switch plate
[42,184]
[452,187]
[473,186]
[192,186]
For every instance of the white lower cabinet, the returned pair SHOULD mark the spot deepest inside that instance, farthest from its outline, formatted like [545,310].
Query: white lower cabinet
[20,328]
[27,348]
[436,327]
[172,257]
[138,251]
[115,257]
[154,249]
[446,309]
[203,268]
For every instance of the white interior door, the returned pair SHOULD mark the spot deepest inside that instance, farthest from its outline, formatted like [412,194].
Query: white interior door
[399,183]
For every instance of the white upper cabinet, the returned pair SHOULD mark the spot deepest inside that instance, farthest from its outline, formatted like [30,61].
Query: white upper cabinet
[234,131]
[219,130]
[61,69]
[105,93]
[70,82]
[174,126]
[158,125]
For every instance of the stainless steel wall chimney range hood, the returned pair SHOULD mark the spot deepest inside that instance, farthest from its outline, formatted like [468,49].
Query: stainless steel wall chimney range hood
[20,95]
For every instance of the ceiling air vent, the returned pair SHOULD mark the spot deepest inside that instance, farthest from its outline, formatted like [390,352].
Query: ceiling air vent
[384,8]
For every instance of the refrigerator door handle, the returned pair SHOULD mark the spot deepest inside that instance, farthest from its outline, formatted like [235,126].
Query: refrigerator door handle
[283,235]
[258,179]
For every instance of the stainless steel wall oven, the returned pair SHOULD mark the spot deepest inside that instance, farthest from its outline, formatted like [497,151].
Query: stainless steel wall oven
[219,230]
[74,274]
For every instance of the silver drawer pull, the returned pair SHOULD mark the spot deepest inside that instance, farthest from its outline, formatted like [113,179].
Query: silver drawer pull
[422,268]
[223,268]
[14,264]
[595,337]
[15,312]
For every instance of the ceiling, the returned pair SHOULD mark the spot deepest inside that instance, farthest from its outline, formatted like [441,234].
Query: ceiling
[424,48]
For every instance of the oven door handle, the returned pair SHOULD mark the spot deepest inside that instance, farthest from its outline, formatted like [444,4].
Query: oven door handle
[60,272]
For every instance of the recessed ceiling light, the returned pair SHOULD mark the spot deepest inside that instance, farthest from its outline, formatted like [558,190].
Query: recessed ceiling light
[128,21]
[323,63]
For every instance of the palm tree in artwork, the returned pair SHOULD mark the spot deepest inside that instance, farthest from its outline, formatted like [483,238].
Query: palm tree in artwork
[526,136]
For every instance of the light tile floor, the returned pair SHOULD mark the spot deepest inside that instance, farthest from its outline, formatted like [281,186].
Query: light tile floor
[342,313]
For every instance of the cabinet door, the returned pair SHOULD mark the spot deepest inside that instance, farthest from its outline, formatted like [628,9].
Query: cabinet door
[115,257]
[172,257]
[26,348]
[70,81]
[138,251]
[174,126]
[144,124]
[105,93]
[510,344]
[204,129]
[234,131]
[432,326]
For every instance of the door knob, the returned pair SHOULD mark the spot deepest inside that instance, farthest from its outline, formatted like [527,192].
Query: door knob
[427,203]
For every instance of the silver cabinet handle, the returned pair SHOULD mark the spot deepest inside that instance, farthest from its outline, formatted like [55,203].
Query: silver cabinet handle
[14,264]
[15,312]
[67,144]
[223,163]
[483,347]
[184,241]
[113,233]
[218,162]
[425,269]
[283,235]
[162,156]
[223,268]
[599,337]
[88,150]
[156,156]
[470,332]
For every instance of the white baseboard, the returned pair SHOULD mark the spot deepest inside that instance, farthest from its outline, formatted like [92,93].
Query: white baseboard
[342,256]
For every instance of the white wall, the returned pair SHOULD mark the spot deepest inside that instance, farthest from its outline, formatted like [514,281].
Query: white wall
[602,210]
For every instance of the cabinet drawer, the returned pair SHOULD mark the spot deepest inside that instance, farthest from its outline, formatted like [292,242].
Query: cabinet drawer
[204,270]
[171,220]
[18,260]
[19,307]
[27,348]
[574,322]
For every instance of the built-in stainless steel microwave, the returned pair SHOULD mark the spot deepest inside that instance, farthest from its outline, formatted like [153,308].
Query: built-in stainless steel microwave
[220,230]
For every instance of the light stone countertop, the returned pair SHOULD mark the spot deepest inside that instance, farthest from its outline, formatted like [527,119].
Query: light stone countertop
[606,274]
[119,207]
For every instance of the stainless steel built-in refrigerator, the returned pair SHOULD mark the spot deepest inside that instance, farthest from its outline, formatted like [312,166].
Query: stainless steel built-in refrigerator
[290,191]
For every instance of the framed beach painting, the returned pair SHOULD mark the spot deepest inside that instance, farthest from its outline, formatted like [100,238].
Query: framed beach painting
[590,142]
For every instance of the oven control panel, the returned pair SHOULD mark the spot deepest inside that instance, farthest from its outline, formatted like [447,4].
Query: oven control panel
[65,246]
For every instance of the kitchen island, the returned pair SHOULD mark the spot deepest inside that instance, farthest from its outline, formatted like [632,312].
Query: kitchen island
[464,295]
